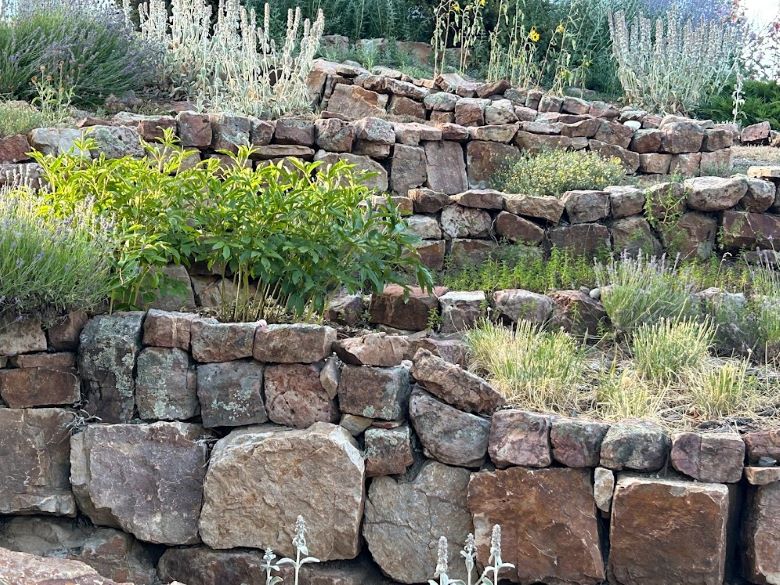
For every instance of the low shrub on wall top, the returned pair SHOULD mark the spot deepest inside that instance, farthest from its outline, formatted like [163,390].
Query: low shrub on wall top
[289,234]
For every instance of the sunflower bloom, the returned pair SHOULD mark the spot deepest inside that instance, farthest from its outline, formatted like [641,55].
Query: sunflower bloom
[534,35]
[560,29]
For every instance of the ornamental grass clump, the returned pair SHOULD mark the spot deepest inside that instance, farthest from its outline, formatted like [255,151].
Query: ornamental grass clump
[233,65]
[674,64]
[723,390]
[531,367]
[625,394]
[553,172]
[642,290]
[51,264]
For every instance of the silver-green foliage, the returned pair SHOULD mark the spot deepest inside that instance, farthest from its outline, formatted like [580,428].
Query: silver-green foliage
[490,575]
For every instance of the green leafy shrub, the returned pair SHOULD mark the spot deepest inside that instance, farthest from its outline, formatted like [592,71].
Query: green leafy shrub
[639,291]
[525,267]
[554,172]
[288,233]
[51,264]
[92,57]
[531,367]
[762,103]
[18,117]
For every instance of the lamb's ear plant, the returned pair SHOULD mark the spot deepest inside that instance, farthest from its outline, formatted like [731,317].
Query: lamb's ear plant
[301,556]
[489,576]
[442,567]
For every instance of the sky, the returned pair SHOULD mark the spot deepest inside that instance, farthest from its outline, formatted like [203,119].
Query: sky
[762,11]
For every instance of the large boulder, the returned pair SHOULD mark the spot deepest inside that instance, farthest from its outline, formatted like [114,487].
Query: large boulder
[715,193]
[112,553]
[107,354]
[668,531]
[522,305]
[161,466]
[548,523]
[261,478]
[405,518]
[447,434]
[25,569]
[35,451]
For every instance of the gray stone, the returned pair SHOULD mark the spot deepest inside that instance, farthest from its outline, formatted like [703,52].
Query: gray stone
[522,305]
[635,445]
[165,385]
[231,394]
[519,438]
[577,443]
[388,451]
[298,343]
[374,392]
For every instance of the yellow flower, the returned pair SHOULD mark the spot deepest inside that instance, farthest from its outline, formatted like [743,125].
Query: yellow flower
[482,2]
[456,7]
[534,35]
[561,29]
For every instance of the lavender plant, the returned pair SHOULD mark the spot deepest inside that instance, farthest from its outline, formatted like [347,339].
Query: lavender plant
[673,64]
[236,65]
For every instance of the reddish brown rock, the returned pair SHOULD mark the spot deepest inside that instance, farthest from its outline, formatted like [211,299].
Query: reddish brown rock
[586,206]
[64,361]
[64,334]
[408,169]
[470,112]
[717,139]
[538,142]
[763,444]
[761,535]
[583,129]
[547,208]
[35,450]
[762,475]
[687,165]
[468,252]
[291,130]
[165,387]
[432,253]
[276,152]
[577,313]
[23,336]
[168,329]
[405,518]
[388,451]
[221,342]
[353,102]
[428,201]
[516,229]
[289,469]
[692,236]
[194,129]
[583,238]
[374,392]
[373,349]
[577,443]
[715,193]
[499,133]
[519,438]
[646,141]
[667,531]
[446,167]
[455,385]
[548,523]
[655,164]
[334,135]
[298,343]
[757,132]
[614,133]
[403,106]
[681,137]
[633,236]
[447,434]
[295,396]
[749,230]
[27,387]
[14,149]
[409,311]
[378,181]
[714,457]
[25,569]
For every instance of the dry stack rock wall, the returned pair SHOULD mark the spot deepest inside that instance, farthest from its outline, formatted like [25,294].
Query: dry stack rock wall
[165,445]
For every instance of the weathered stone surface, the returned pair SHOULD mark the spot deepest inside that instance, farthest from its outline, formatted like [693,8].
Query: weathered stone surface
[295,396]
[576,442]
[407,107]
[539,142]
[715,193]
[687,165]
[168,329]
[291,469]
[374,392]
[14,149]
[454,385]
[583,238]
[425,227]
[717,139]
[646,141]
[667,531]
[229,132]
[56,141]
[298,343]
[428,201]
[378,181]
[293,130]
[484,159]
[586,206]
[231,394]
[497,131]
[62,361]
[461,310]
[163,465]
[447,434]
[636,445]
[756,132]
[353,102]
[625,201]
[262,132]
[465,222]
[64,334]
[633,236]
[583,129]
[194,129]
[376,130]
[24,336]
[760,196]
[151,128]
[692,236]
[112,553]
[345,309]
[107,354]
[404,520]
[34,448]
[681,137]
[713,457]
[548,523]
[408,169]
[373,349]
[408,312]
[631,161]
[761,535]
[165,385]
[603,488]
[470,112]
[519,438]
[517,229]
[743,230]
[546,208]
[468,252]
[25,569]
[480,199]
[522,305]
[762,475]
[655,164]
[577,313]
[221,342]
[763,444]
[334,135]
[276,152]
[26,387]
[115,141]
[614,133]
[388,451]
[446,167]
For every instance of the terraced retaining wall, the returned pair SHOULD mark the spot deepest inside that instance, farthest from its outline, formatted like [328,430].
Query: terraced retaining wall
[448,136]
[164,445]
